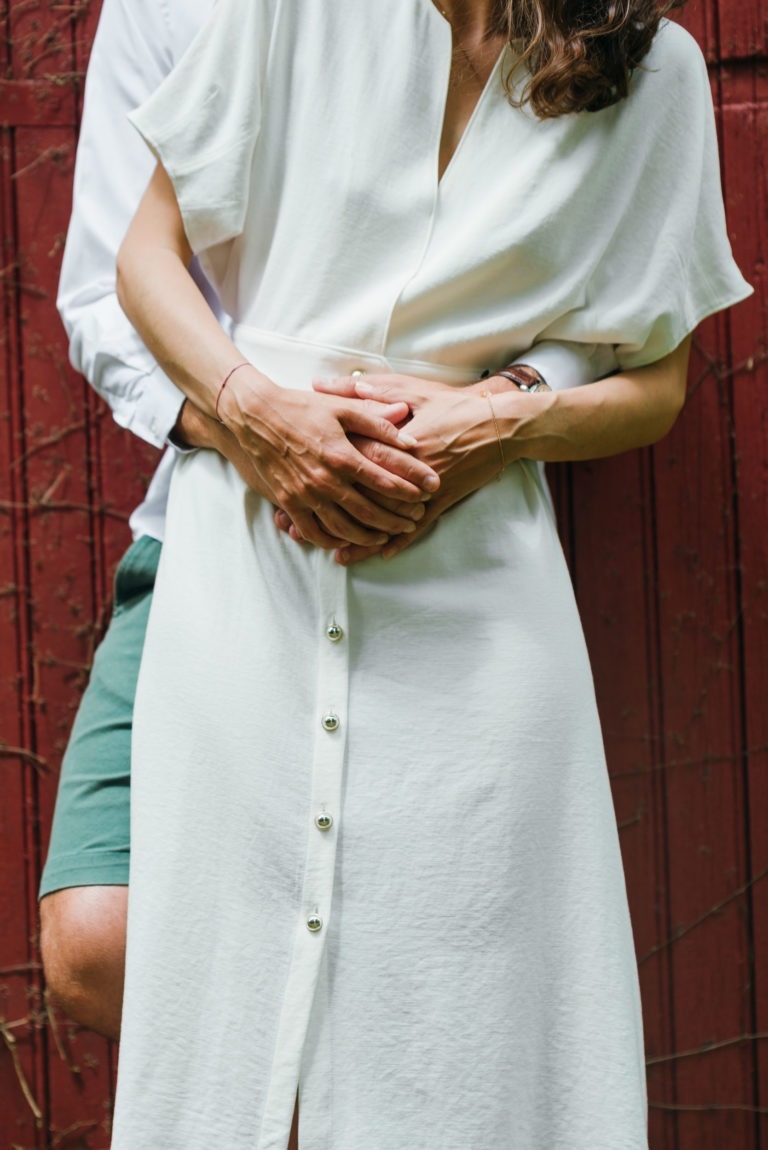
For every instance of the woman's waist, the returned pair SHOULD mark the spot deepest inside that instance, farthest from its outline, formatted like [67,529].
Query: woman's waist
[294,362]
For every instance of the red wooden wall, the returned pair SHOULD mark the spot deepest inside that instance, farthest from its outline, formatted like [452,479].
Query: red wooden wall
[668,551]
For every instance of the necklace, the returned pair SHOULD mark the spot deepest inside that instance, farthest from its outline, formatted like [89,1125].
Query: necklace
[460,52]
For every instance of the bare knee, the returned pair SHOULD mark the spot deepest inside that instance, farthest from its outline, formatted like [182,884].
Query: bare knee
[83,947]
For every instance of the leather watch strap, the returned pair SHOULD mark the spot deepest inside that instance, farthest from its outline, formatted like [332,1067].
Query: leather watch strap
[526,378]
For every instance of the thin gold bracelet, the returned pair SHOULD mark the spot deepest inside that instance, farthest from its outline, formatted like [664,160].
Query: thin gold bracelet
[487,395]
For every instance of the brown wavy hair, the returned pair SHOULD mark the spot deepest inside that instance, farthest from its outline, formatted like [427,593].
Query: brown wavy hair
[580,54]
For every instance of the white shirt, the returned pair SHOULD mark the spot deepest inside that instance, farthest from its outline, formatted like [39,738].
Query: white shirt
[136,46]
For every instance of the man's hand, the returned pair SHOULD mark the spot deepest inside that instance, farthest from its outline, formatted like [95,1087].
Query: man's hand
[298,443]
[195,429]
[456,436]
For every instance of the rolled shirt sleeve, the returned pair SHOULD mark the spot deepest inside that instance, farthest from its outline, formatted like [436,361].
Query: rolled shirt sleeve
[136,45]
[565,365]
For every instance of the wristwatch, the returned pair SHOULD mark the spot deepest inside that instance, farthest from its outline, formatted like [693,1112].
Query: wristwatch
[526,378]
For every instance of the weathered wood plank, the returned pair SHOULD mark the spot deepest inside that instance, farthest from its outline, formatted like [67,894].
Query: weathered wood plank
[745,131]
[32,103]
[698,613]
[613,544]
[19,760]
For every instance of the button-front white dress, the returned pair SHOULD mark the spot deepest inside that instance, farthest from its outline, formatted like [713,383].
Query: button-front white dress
[374,854]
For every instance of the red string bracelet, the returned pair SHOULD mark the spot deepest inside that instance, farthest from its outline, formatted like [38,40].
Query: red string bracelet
[224,383]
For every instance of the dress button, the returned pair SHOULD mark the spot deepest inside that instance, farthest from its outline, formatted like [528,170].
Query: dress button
[356,372]
[323,821]
[330,722]
[314,923]
[334,632]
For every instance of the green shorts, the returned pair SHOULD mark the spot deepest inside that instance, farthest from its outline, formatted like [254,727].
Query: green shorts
[90,838]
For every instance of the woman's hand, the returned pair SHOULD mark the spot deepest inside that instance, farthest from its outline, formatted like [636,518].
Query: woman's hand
[456,436]
[297,444]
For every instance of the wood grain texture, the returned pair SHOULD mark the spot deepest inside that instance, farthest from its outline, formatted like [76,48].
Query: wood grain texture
[669,552]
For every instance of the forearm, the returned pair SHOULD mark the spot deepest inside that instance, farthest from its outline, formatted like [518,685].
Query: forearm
[625,411]
[170,313]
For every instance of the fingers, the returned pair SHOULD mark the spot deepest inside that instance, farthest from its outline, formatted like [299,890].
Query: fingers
[306,528]
[414,511]
[376,513]
[343,386]
[282,520]
[367,420]
[385,388]
[351,518]
[398,462]
[392,412]
[403,513]
[398,543]
[366,524]
[363,472]
[347,555]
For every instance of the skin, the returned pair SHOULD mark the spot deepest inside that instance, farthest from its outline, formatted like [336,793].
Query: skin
[458,436]
[339,470]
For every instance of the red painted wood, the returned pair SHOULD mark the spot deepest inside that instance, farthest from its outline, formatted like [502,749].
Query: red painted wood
[61,540]
[669,551]
[743,30]
[706,813]
[700,17]
[50,456]
[18,757]
[25,103]
[613,544]
[745,123]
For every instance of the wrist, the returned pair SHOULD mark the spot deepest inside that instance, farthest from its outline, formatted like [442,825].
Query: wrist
[244,395]
[525,378]
[194,429]
[526,423]
[514,377]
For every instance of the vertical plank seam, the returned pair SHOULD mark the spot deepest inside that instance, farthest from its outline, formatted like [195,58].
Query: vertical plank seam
[656,708]
[741,684]
[30,788]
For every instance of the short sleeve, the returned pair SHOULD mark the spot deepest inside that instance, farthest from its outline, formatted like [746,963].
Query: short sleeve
[664,261]
[203,121]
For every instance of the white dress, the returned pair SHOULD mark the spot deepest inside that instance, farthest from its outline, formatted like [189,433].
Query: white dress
[374,854]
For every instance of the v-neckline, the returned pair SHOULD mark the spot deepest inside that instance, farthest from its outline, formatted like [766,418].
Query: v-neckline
[481,99]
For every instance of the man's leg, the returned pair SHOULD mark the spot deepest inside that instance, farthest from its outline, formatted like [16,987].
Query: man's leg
[84,885]
[84,891]
[83,944]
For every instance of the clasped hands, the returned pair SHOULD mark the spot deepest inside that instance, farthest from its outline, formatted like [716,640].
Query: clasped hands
[360,466]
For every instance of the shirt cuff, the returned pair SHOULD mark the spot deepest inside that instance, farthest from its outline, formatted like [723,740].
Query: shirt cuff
[157,409]
[566,365]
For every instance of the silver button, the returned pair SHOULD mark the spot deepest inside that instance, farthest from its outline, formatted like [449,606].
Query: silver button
[357,372]
[323,821]
[314,923]
[334,632]
[331,722]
